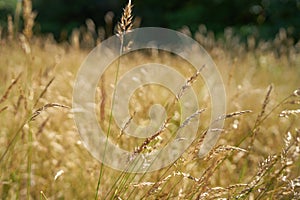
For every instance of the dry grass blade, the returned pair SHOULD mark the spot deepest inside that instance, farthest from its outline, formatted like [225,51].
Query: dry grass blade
[156,185]
[103,100]
[44,91]
[5,95]
[42,126]
[190,118]
[263,109]
[233,114]
[45,107]
[142,184]
[223,150]
[151,138]
[21,98]
[2,109]
[125,23]
[187,175]
[259,118]
[126,125]
[215,192]
[189,83]
[199,142]
[201,139]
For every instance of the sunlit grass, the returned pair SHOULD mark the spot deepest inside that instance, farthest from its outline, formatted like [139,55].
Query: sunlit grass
[257,155]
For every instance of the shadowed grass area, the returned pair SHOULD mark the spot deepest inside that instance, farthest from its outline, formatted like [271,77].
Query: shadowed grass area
[42,151]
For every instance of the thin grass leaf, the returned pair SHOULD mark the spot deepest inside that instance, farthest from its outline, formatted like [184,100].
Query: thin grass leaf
[8,90]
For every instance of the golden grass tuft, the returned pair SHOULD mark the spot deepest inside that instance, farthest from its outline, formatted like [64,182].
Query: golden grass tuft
[126,23]
[28,16]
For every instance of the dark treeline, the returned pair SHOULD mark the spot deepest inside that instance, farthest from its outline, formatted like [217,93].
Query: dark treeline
[261,18]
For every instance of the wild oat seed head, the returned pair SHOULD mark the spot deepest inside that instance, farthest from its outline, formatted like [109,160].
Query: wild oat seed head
[125,23]
[28,16]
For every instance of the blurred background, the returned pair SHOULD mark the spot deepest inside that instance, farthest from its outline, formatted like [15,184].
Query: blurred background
[261,18]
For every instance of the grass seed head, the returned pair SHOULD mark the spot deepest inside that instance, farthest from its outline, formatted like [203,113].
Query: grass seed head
[125,23]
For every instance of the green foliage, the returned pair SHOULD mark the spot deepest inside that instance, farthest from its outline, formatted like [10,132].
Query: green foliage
[8,4]
[265,17]
[6,7]
[58,16]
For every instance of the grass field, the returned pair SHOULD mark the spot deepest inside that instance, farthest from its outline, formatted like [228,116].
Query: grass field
[256,157]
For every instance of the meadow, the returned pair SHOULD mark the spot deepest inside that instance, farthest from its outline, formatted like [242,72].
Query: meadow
[42,155]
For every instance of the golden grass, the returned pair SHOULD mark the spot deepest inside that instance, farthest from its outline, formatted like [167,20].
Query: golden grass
[126,22]
[256,157]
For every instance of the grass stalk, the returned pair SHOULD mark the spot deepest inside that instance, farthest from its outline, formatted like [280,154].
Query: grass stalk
[124,26]
[29,163]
